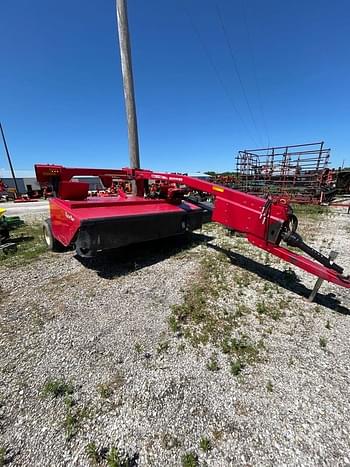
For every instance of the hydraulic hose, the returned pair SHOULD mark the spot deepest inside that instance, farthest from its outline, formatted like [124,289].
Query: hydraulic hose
[295,240]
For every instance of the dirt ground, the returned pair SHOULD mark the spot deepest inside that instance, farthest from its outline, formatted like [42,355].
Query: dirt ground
[176,353]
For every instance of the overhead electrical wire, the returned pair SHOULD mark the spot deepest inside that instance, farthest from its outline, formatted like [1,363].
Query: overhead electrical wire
[216,71]
[255,74]
[236,68]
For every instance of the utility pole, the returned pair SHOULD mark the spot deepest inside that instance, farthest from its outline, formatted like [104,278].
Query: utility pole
[9,159]
[128,82]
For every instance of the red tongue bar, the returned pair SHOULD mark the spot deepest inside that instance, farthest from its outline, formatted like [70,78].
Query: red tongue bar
[301,262]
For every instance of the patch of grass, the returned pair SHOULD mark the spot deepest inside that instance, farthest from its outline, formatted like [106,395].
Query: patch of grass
[104,390]
[57,388]
[2,456]
[92,453]
[162,346]
[310,211]
[205,444]
[168,441]
[236,367]
[269,386]
[69,401]
[242,348]
[173,323]
[189,459]
[272,311]
[115,458]
[203,323]
[70,425]
[200,322]
[213,364]
[30,245]
[243,279]
[138,347]
[218,434]
[107,389]
[261,308]
[73,420]
[242,310]
[323,342]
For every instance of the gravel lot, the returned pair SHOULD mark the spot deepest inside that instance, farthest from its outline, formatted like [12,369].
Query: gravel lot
[132,383]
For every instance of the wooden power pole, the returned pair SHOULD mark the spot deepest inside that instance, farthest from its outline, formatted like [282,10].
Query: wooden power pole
[128,81]
[9,159]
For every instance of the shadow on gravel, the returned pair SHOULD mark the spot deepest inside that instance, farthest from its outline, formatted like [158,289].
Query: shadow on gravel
[21,239]
[121,261]
[279,277]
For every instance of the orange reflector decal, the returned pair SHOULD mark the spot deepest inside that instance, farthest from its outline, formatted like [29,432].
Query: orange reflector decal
[218,188]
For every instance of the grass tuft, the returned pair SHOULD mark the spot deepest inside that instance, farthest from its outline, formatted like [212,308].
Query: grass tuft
[236,367]
[189,459]
[213,364]
[205,444]
[2,456]
[57,388]
[162,346]
[92,453]
[323,342]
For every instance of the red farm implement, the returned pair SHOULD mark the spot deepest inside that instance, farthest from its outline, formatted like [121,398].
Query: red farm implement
[161,208]
[298,173]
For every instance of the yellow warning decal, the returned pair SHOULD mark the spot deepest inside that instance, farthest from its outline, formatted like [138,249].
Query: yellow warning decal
[218,188]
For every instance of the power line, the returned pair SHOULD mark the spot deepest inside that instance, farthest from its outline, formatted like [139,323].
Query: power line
[216,71]
[260,99]
[235,65]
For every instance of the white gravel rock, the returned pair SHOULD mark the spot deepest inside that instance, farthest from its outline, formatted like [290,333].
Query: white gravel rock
[100,322]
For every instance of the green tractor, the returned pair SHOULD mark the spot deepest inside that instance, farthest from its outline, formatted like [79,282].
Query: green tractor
[8,223]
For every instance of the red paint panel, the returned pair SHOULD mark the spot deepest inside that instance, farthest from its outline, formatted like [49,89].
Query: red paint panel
[67,215]
[63,224]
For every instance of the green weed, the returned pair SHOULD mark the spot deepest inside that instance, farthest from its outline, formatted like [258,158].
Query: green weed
[272,311]
[310,211]
[242,348]
[57,388]
[199,322]
[236,367]
[162,346]
[213,364]
[189,459]
[205,444]
[115,458]
[323,342]
[73,420]
[92,453]
[2,457]
[104,390]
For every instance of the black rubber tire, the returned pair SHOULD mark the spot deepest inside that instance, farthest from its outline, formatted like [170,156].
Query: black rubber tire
[50,240]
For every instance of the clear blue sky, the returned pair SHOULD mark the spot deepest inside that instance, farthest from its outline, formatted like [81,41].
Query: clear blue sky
[61,90]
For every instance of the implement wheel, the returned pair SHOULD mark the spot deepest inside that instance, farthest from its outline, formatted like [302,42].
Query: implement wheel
[50,240]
